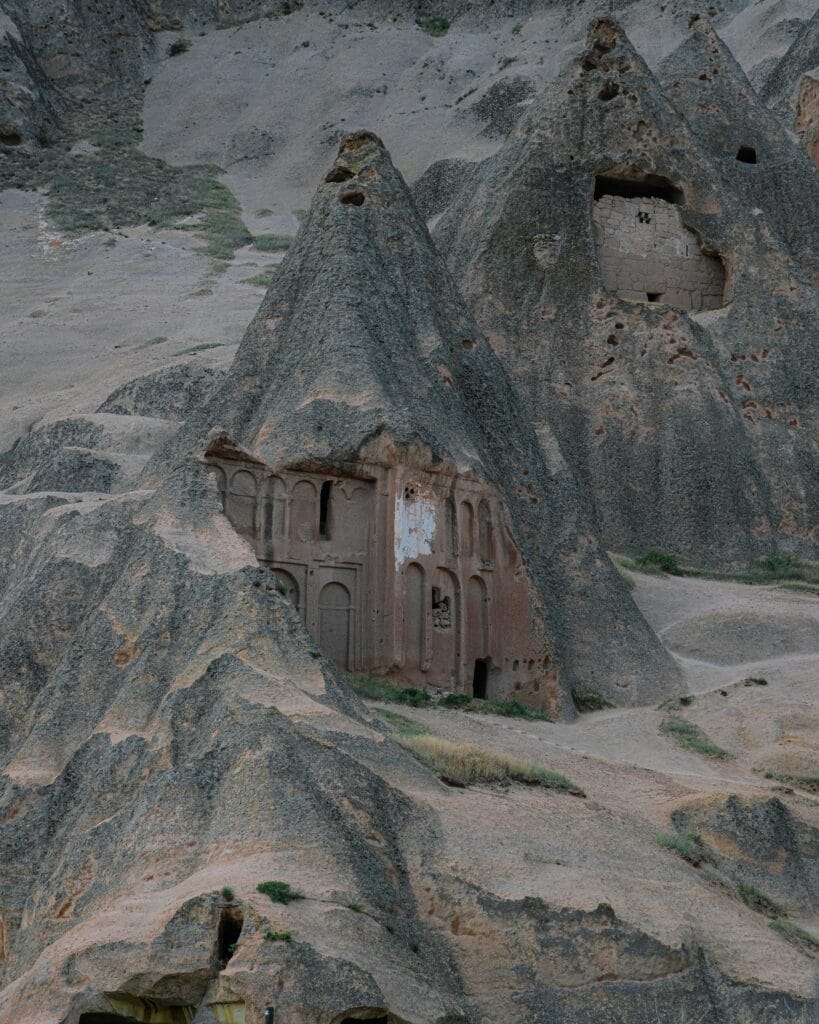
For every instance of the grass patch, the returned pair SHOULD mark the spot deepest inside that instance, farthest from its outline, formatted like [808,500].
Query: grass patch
[688,846]
[433,26]
[377,689]
[272,243]
[264,212]
[271,936]
[759,901]
[691,737]
[461,764]
[799,585]
[355,907]
[199,348]
[279,892]
[798,936]
[180,45]
[158,340]
[659,561]
[497,706]
[300,214]
[227,893]
[263,280]
[810,783]
[588,699]
[401,724]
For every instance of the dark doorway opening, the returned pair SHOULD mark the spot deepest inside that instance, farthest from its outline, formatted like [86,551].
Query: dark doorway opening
[365,1020]
[10,137]
[106,1018]
[746,155]
[654,296]
[480,677]
[324,509]
[231,920]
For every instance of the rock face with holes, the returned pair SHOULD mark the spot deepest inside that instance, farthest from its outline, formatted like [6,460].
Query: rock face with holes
[685,405]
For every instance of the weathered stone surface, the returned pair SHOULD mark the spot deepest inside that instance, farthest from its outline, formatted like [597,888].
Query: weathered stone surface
[30,106]
[439,184]
[692,433]
[171,393]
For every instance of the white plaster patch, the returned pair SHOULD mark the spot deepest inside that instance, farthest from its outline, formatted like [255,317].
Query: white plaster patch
[415,523]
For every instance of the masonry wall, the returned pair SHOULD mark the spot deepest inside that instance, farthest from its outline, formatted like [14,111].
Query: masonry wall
[647,254]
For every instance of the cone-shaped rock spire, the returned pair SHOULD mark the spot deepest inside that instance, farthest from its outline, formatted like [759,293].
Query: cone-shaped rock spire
[364,352]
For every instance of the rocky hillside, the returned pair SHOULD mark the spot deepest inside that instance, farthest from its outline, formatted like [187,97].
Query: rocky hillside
[594,303]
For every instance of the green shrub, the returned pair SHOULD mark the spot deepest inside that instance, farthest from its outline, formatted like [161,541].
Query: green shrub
[688,846]
[686,699]
[263,280]
[658,560]
[201,347]
[379,689]
[461,764]
[158,340]
[588,699]
[355,907]
[279,892]
[433,26]
[755,681]
[264,212]
[757,900]
[690,736]
[180,45]
[272,243]
[810,783]
[227,893]
[794,934]
[271,936]
[506,707]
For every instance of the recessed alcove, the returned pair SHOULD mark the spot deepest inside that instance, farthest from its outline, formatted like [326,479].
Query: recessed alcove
[746,155]
[645,251]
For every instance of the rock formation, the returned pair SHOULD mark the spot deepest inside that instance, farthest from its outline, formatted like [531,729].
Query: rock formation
[691,430]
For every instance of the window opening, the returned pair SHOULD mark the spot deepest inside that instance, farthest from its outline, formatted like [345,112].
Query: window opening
[654,296]
[746,155]
[324,509]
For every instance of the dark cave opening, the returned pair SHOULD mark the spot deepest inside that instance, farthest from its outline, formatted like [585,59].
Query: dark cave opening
[746,155]
[643,186]
[231,920]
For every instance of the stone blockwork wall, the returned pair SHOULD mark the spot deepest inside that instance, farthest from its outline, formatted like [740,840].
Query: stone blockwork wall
[647,254]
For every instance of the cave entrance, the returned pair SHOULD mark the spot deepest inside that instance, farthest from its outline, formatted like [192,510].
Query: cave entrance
[480,678]
[746,155]
[231,920]
[637,185]
[10,137]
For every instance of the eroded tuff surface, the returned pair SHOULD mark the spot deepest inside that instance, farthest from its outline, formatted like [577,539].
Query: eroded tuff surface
[693,433]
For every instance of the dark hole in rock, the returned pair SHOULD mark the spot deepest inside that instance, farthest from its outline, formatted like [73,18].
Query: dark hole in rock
[479,679]
[339,174]
[231,920]
[746,155]
[468,343]
[354,198]
[365,1020]
[644,186]
[654,296]
[324,509]
[10,137]
[609,91]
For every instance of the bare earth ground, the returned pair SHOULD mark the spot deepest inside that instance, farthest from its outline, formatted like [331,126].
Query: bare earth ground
[525,842]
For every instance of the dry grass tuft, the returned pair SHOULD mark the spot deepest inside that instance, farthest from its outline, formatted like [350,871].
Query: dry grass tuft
[461,764]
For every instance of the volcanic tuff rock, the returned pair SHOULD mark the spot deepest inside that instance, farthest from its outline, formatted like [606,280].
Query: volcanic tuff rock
[363,343]
[692,431]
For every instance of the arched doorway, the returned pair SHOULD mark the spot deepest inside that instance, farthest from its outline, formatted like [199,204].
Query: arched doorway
[414,616]
[335,614]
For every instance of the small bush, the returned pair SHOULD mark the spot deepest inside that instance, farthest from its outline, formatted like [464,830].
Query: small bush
[690,736]
[264,212]
[279,892]
[433,26]
[588,699]
[658,560]
[180,45]
[271,936]
[199,348]
[757,900]
[158,340]
[781,567]
[272,243]
[227,893]
[795,934]
[755,681]
[686,699]
[688,846]
[461,764]
[263,280]
[355,907]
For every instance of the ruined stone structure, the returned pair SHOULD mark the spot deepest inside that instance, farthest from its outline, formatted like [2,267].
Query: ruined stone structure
[396,571]
[648,255]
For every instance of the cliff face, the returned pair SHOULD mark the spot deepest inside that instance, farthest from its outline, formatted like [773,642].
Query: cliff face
[690,429]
